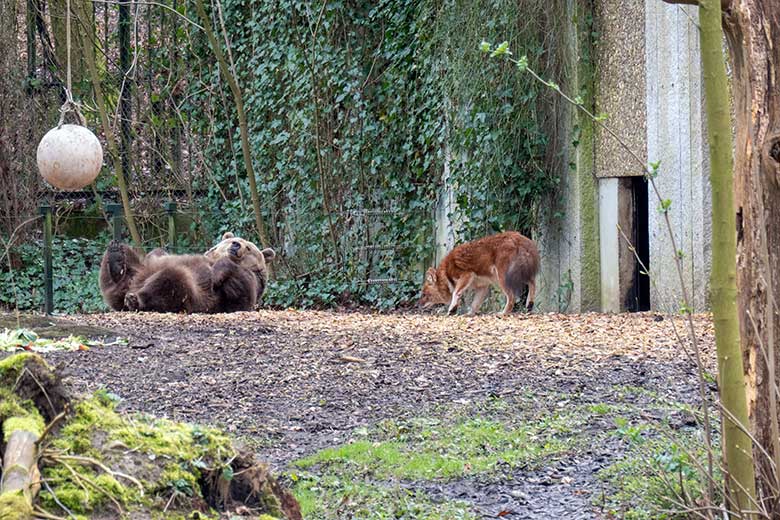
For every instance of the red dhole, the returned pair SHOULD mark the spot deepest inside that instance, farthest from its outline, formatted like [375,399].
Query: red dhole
[509,260]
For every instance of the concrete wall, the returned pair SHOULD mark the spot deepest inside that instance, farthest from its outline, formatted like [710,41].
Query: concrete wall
[620,86]
[674,137]
[647,79]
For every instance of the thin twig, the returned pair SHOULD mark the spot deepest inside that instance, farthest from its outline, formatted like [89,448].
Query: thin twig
[40,513]
[155,4]
[649,175]
[51,425]
[57,500]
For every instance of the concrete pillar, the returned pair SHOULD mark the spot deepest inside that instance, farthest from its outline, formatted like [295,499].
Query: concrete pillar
[445,212]
[609,244]
[617,240]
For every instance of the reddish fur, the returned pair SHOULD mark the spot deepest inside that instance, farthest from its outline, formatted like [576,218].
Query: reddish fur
[508,260]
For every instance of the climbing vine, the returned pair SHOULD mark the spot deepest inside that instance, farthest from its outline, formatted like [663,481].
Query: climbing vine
[360,116]
[354,109]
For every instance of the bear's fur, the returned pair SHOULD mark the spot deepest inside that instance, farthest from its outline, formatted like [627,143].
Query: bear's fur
[241,282]
[229,277]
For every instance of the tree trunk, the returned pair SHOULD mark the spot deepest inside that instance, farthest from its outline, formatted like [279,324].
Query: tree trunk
[126,93]
[242,121]
[753,33]
[108,133]
[740,483]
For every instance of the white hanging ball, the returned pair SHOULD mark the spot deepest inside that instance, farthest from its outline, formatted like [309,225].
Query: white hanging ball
[69,157]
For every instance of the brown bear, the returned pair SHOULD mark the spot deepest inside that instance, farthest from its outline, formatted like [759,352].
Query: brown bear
[230,277]
[240,283]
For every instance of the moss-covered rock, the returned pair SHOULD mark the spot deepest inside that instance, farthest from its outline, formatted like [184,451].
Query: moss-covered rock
[103,464]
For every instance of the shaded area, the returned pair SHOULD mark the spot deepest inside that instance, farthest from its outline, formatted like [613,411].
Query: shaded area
[53,327]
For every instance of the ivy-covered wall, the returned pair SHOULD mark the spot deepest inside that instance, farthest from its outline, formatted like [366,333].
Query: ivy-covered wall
[354,108]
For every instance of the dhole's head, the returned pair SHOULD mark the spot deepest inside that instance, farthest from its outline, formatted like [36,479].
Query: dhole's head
[432,292]
[240,251]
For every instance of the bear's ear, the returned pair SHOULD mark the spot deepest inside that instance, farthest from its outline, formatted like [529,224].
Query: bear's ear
[269,254]
[227,235]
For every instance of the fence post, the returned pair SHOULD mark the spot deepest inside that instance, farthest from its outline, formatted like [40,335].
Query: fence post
[170,210]
[48,285]
[116,220]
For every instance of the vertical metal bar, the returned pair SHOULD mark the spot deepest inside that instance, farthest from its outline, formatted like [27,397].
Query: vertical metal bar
[170,209]
[126,85]
[48,285]
[116,220]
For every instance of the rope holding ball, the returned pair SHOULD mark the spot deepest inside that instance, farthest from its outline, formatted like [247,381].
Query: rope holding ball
[69,156]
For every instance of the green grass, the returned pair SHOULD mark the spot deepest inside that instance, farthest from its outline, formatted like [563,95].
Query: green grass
[447,451]
[657,471]
[347,496]
[383,471]
[380,473]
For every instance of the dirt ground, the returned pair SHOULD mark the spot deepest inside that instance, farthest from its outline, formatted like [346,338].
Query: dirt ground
[293,382]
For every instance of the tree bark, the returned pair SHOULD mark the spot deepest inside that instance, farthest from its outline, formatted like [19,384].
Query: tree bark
[753,34]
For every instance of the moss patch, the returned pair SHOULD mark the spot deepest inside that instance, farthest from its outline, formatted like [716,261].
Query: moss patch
[30,423]
[18,414]
[12,365]
[95,432]
[14,506]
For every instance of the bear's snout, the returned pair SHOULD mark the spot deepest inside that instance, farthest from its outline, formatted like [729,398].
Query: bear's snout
[235,247]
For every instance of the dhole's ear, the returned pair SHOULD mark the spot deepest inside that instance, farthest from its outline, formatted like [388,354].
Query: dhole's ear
[430,276]
[269,254]
[227,235]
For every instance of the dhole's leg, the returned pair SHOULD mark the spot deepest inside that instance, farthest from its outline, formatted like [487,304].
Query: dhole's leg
[529,303]
[508,292]
[479,297]
[510,302]
[461,286]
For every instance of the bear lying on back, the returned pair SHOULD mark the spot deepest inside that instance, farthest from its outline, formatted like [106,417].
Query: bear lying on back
[230,277]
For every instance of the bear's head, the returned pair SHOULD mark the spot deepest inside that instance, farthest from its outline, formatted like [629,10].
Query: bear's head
[246,254]
[241,251]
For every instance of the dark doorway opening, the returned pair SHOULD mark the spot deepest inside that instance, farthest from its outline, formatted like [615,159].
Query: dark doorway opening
[641,236]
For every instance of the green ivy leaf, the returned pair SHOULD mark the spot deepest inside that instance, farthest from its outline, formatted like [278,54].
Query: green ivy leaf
[484,46]
[522,63]
[503,48]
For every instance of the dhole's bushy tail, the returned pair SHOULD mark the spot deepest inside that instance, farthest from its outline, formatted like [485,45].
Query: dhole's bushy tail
[523,268]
